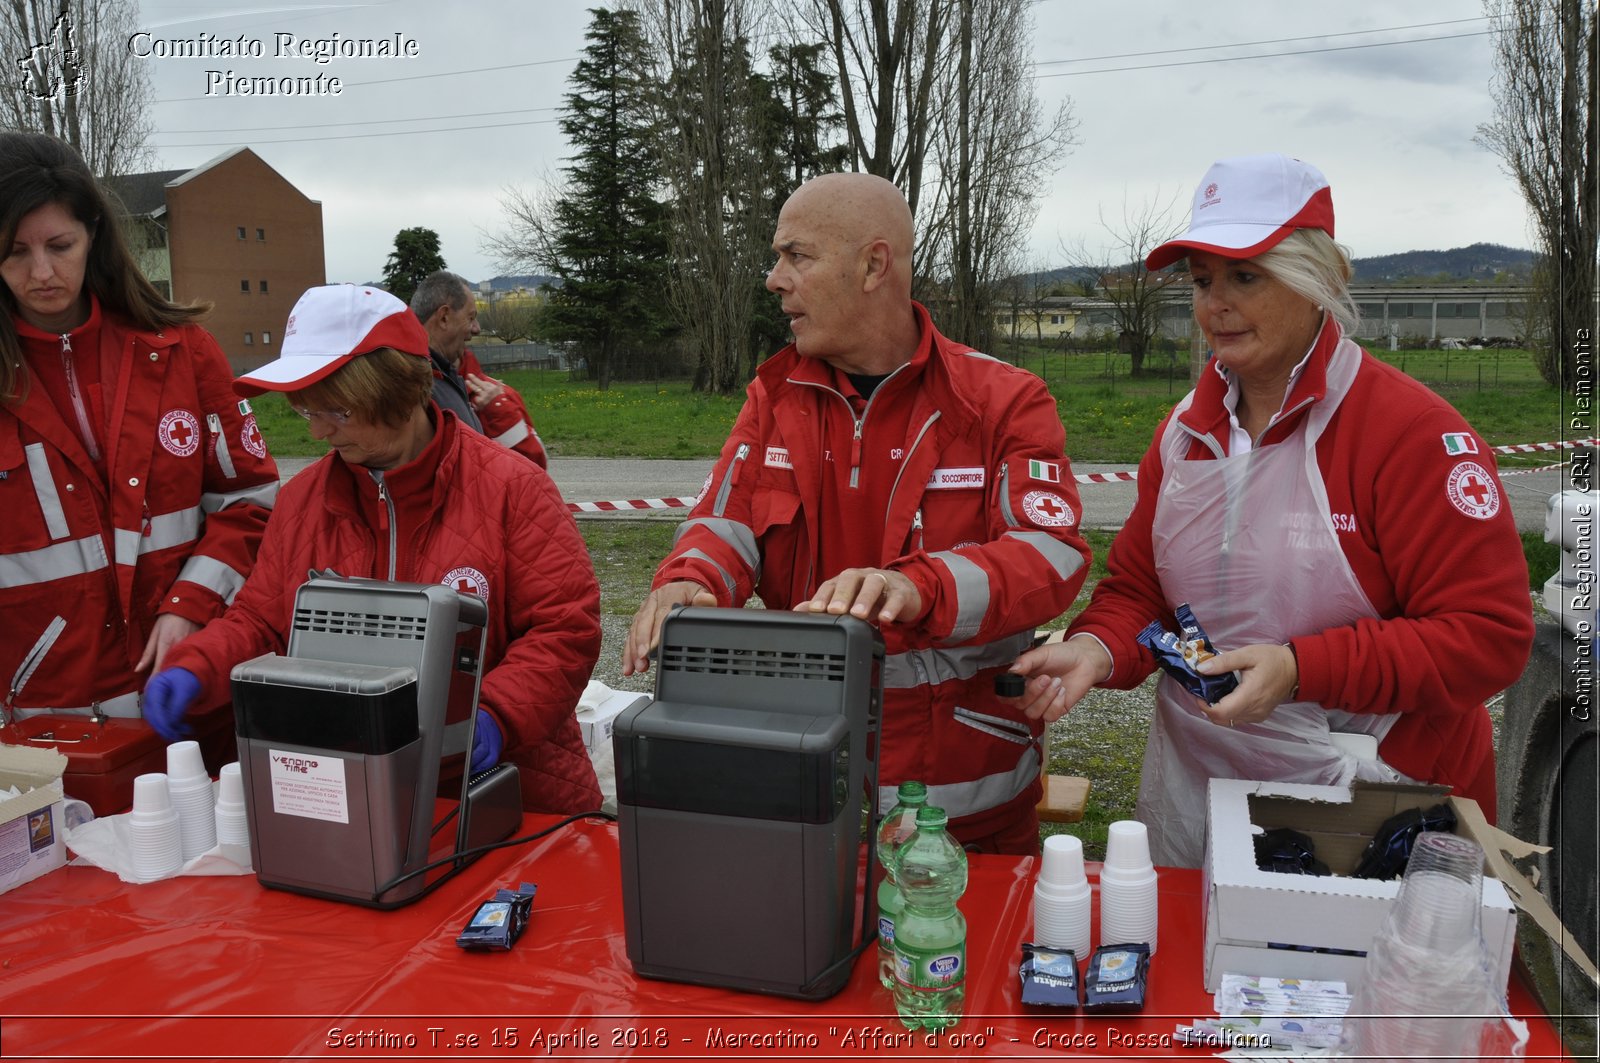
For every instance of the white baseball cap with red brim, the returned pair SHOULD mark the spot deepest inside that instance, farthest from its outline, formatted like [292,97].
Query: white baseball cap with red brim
[328,327]
[1247,205]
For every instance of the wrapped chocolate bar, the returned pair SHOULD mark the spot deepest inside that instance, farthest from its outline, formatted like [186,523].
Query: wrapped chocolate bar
[1178,654]
[499,921]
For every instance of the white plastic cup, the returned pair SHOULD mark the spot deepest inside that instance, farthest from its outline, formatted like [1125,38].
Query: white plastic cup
[230,787]
[184,761]
[150,794]
[1062,864]
[1129,913]
[156,843]
[1127,846]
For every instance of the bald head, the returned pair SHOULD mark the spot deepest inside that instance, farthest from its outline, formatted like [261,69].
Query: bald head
[844,244]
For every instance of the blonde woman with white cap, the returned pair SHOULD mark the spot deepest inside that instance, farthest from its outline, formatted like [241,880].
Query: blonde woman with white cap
[1338,530]
[409,494]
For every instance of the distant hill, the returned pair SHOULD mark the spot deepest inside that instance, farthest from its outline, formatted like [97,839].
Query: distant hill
[1475,262]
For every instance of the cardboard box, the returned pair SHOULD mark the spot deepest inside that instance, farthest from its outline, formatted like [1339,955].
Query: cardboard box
[596,721]
[31,824]
[1246,909]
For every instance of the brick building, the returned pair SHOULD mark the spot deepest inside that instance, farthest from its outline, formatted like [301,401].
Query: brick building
[234,233]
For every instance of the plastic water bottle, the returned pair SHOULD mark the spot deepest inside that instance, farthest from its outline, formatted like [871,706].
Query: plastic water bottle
[930,937]
[897,828]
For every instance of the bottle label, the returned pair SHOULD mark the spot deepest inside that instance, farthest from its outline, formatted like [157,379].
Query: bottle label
[885,931]
[930,969]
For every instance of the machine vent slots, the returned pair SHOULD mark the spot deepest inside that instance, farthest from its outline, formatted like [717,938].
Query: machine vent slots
[368,625]
[771,664]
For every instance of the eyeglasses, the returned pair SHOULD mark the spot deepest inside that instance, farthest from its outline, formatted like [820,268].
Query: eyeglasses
[335,416]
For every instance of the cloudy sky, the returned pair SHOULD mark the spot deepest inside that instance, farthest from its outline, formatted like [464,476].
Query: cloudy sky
[1384,97]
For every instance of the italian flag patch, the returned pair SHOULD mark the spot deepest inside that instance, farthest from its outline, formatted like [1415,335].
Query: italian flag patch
[1459,443]
[1048,471]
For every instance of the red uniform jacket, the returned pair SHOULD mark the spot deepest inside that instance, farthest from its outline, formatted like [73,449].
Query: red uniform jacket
[978,508]
[506,420]
[469,514]
[1435,550]
[89,558]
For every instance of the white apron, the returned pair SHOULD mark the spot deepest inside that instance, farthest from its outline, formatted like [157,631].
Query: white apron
[1249,543]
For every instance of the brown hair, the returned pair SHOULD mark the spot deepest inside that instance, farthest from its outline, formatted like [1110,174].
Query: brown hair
[37,170]
[381,386]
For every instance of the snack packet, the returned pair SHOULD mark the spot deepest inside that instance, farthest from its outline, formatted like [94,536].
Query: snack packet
[1178,654]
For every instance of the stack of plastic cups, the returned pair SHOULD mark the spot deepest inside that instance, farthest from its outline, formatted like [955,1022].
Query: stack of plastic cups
[1427,988]
[193,798]
[233,824]
[153,832]
[1061,897]
[1128,887]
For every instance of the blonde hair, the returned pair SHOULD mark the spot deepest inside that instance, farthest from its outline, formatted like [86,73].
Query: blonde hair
[1309,263]
[382,386]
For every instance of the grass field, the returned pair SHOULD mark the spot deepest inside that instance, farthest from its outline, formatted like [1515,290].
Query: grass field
[1109,415]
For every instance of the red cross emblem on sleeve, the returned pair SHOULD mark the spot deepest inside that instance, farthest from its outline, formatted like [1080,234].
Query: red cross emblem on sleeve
[467,580]
[1047,509]
[1472,490]
[250,436]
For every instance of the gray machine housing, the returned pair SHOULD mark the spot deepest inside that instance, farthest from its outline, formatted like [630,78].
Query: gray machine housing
[742,793]
[344,743]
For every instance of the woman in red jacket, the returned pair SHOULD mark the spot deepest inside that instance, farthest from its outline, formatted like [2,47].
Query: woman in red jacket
[1337,528]
[134,485]
[410,494]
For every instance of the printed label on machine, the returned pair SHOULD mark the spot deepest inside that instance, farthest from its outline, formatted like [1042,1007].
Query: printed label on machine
[310,785]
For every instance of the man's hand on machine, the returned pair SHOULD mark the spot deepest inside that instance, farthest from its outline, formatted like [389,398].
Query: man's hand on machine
[487,741]
[167,697]
[876,595]
[646,629]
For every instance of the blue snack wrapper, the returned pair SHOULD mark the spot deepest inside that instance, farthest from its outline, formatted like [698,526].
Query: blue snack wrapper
[1178,654]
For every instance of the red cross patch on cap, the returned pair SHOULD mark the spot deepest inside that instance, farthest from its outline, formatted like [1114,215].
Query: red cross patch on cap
[329,326]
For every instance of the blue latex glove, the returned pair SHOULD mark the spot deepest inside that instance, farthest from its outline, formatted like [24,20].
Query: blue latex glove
[167,697]
[487,741]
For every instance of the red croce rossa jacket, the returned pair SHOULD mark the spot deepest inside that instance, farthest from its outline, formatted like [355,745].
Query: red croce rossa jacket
[168,521]
[981,515]
[470,514]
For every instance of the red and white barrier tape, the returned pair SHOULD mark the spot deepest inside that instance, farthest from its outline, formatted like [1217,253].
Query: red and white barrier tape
[1530,448]
[631,504]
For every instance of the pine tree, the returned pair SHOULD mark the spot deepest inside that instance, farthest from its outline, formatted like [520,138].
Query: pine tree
[608,238]
[415,255]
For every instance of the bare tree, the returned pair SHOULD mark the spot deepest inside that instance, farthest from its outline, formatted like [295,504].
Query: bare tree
[1135,296]
[1546,134]
[719,175]
[995,156]
[78,79]
[510,317]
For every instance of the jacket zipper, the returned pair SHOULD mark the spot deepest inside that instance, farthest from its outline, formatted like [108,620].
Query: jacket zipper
[730,479]
[916,529]
[32,659]
[386,523]
[82,412]
[224,454]
[859,422]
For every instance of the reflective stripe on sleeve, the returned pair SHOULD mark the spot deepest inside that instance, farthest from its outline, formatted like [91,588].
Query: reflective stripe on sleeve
[75,557]
[972,594]
[212,574]
[914,668]
[738,536]
[123,707]
[262,495]
[978,795]
[513,435]
[44,487]
[1063,558]
[727,580]
[166,531]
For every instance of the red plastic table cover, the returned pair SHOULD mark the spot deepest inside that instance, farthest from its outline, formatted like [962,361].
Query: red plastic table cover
[221,968]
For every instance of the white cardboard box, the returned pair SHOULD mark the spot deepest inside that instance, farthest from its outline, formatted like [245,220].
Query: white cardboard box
[31,824]
[1247,908]
[596,721]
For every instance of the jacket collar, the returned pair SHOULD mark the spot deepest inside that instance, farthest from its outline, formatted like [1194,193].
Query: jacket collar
[1207,415]
[789,367]
[429,472]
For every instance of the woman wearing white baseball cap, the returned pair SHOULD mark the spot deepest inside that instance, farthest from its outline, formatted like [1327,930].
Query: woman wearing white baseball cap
[410,494]
[1337,528]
